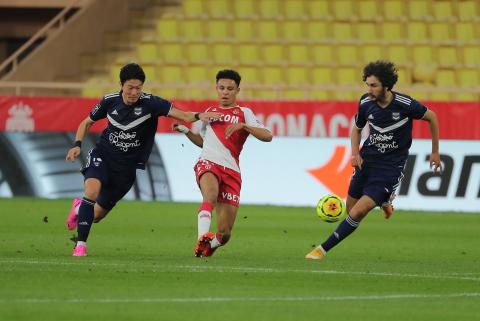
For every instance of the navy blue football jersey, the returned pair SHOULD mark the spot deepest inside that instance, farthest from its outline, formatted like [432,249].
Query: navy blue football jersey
[130,134]
[390,129]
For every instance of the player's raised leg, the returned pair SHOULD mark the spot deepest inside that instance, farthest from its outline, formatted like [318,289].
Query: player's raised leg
[208,183]
[72,217]
[355,215]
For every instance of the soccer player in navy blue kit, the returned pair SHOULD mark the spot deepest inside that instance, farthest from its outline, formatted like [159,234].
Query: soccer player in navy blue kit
[124,146]
[379,164]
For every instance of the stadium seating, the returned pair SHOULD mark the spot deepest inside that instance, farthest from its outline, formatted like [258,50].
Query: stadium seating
[279,45]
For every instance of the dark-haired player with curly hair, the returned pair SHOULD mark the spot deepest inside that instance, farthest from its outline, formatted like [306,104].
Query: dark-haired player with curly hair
[379,164]
[124,146]
[218,168]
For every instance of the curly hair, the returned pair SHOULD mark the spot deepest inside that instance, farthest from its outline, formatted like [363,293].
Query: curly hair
[229,74]
[385,71]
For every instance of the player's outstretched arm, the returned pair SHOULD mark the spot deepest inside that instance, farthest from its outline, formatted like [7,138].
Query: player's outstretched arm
[435,163]
[194,138]
[190,117]
[81,132]
[260,133]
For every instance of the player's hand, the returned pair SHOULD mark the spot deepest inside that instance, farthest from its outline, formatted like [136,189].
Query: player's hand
[357,161]
[233,128]
[209,116]
[180,128]
[435,163]
[73,153]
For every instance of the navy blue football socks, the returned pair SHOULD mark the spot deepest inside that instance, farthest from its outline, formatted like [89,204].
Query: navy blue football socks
[85,219]
[344,229]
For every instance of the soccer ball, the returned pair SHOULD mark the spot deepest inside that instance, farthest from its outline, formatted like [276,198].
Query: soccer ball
[331,208]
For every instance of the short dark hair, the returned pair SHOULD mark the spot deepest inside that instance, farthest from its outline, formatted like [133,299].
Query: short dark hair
[131,71]
[385,71]
[229,74]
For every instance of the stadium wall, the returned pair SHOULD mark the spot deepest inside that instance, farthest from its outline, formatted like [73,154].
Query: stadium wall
[35,134]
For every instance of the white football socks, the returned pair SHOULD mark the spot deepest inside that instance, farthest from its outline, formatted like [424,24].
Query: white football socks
[204,220]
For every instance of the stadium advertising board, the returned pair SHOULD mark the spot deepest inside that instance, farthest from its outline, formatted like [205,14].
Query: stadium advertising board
[298,171]
[458,120]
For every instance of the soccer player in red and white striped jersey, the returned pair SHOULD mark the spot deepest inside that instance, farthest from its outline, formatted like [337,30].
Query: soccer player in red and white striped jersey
[218,169]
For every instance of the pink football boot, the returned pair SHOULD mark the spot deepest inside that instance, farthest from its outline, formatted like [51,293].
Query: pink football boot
[80,250]
[72,218]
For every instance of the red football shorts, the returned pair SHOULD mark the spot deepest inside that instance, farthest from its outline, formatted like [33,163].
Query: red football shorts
[229,181]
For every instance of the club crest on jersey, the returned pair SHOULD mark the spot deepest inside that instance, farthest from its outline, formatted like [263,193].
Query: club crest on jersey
[395,115]
[137,111]
[235,111]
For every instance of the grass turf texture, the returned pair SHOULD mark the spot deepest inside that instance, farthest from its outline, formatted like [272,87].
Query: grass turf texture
[415,266]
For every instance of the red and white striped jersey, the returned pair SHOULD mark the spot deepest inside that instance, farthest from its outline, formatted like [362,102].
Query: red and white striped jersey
[217,147]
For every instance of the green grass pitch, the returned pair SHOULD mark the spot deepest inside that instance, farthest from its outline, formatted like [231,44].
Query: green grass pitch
[415,266]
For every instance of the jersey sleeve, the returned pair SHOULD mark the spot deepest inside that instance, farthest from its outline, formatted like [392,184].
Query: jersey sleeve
[417,110]
[161,107]
[251,120]
[99,111]
[360,119]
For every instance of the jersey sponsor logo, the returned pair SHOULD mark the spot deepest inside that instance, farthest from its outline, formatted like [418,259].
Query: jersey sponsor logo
[336,173]
[383,142]
[227,118]
[124,141]
[230,197]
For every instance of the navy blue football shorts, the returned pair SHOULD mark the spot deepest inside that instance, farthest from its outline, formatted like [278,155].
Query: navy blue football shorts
[116,180]
[377,183]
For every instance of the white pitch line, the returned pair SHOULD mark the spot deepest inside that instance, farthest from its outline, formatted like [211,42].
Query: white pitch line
[407,296]
[240,269]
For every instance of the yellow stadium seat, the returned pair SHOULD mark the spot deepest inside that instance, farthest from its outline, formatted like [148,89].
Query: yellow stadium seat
[245,9]
[218,30]
[268,30]
[445,78]
[293,31]
[298,54]
[419,9]
[344,10]
[318,31]
[170,74]
[322,75]
[272,75]
[441,32]
[447,57]
[198,53]
[469,78]
[342,32]
[171,53]
[92,91]
[243,31]
[269,9]
[443,10]
[197,74]
[393,32]
[192,30]
[250,75]
[147,52]
[348,76]
[470,55]
[218,9]
[465,32]
[422,55]
[404,77]
[150,70]
[294,9]
[424,73]
[266,94]
[394,10]
[322,55]
[297,75]
[273,54]
[319,10]
[417,32]
[294,94]
[399,55]
[347,55]
[193,8]
[468,10]
[223,53]
[248,54]
[420,91]
[368,10]
[372,53]
[167,29]
[367,32]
